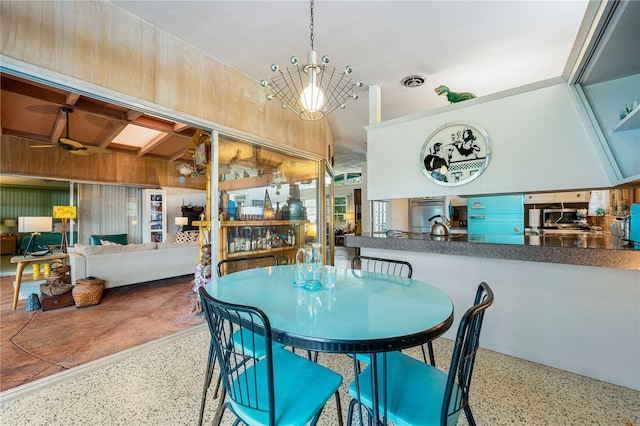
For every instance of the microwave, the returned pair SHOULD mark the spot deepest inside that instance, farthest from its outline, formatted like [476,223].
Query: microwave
[560,218]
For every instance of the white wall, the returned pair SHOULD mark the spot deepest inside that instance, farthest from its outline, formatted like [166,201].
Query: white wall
[539,143]
[580,319]
[176,198]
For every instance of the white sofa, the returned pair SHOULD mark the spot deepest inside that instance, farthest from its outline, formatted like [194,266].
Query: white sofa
[120,265]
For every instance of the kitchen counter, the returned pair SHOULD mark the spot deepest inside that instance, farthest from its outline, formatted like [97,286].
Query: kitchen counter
[570,248]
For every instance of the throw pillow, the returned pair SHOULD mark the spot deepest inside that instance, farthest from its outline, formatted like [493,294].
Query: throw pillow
[186,237]
[116,238]
[109,243]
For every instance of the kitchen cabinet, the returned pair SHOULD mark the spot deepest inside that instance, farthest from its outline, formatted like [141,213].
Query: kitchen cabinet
[572,197]
[542,198]
[281,238]
[495,215]
[557,197]
[154,219]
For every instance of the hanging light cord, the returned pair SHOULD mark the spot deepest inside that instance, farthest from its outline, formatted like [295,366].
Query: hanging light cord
[311,26]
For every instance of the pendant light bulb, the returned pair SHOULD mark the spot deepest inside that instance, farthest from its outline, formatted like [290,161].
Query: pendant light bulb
[312,98]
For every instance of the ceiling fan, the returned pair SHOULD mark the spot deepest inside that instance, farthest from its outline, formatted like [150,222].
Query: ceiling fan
[74,146]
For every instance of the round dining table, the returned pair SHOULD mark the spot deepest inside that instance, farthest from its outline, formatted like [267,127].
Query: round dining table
[365,313]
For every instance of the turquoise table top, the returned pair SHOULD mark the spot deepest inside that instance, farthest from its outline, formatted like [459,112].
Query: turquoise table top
[366,312]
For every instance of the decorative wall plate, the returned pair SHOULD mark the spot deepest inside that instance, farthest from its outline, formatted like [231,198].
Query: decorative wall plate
[455,154]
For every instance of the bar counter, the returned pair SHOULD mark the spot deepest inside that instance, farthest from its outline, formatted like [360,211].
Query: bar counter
[581,248]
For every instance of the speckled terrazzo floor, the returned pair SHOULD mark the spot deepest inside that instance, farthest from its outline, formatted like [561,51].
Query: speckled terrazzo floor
[160,383]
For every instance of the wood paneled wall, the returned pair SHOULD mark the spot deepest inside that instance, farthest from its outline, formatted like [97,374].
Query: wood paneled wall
[18,159]
[96,42]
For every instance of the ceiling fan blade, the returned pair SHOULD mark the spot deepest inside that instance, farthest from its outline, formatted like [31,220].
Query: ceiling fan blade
[71,142]
[81,152]
[97,150]
[42,146]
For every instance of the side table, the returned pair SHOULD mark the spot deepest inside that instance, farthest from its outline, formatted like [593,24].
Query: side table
[23,261]
[8,244]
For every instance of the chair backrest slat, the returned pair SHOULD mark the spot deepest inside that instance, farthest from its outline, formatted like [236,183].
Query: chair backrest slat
[382,266]
[229,266]
[466,347]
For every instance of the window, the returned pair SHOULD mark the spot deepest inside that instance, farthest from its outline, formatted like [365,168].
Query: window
[339,209]
[379,217]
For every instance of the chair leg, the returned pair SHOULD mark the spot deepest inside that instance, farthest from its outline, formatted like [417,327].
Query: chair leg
[339,409]
[211,362]
[352,405]
[432,357]
[220,409]
[469,415]
[217,391]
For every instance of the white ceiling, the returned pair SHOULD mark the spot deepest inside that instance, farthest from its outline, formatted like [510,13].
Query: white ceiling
[479,46]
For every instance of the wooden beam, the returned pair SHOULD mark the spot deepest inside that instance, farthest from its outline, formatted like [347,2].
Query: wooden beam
[72,98]
[106,141]
[152,143]
[58,127]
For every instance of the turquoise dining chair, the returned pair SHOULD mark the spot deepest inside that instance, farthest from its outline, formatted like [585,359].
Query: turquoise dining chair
[242,338]
[418,393]
[395,267]
[228,266]
[280,388]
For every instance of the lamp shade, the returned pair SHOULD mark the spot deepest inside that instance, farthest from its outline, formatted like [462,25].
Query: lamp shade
[181,221]
[64,212]
[10,223]
[35,224]
[349,216]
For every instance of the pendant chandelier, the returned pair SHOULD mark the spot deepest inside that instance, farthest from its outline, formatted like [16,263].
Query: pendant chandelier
[313,90]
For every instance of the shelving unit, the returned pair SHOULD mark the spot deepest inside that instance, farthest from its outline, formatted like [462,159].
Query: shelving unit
[631,121]
[286,237]
[154,216]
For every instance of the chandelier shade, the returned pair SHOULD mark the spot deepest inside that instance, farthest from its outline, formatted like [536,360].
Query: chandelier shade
[312,90]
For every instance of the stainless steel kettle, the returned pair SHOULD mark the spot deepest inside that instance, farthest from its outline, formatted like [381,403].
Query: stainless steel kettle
[440,229]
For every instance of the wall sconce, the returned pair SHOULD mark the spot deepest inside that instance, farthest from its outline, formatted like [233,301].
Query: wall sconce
[181,221]
[35,225]
[64,213]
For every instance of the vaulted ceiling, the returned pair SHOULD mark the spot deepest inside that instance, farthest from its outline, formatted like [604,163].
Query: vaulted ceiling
[34,111]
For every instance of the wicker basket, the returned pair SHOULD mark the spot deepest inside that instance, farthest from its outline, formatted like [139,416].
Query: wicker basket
[58,271]
[87,291]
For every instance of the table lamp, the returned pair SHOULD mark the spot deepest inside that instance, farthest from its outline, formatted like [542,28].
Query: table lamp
[10,224]
[35,225]
[64,213]
[348,217]
[180,221]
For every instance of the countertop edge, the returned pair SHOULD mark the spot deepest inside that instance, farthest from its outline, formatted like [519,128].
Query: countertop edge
[615,259]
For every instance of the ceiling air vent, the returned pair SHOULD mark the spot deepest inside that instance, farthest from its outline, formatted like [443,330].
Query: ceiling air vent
[413,81]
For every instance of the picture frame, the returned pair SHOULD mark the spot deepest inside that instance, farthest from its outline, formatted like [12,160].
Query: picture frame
[200,156]
[455,154]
